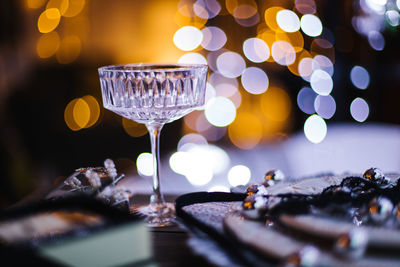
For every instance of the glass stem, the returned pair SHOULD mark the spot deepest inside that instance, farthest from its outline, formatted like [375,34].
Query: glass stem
[154,129]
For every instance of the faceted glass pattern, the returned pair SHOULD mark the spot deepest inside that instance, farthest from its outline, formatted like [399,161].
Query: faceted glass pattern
[153,93]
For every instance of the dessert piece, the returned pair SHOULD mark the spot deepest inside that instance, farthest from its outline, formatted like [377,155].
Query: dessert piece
[351,213]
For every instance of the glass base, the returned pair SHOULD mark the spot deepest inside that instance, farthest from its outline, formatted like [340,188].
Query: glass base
[158,215]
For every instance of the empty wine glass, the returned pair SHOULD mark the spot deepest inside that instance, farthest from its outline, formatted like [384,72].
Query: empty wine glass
[154,94]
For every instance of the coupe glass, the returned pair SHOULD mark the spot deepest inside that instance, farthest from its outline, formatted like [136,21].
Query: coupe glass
[154,94]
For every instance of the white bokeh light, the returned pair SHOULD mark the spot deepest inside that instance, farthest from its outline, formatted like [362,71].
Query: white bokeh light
[191,138]
[199,175]
[315,129]
[393,17]
[199,162]
[325,106]
[321,82]
[323,63]
[192,58]
[236,98]
[239,175]
[219,188]
[256,50]
[305,68]
[144,164]
[206,9]
[359,77]
[210,93]
[213,38]
[226,87]
[359,109]
[255,80]
[179,162]
[230,64]
[311,25]
[288,20]
[283,53]
[218,158]
[188,38]
[220,111]
[202,123]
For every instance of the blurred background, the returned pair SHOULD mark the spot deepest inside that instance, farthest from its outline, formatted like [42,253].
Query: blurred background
[285,76]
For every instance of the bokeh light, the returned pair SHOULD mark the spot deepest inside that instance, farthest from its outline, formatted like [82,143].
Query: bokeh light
[311,25]
[283,53]
[270,18]
[49,20]
[199,175]
[230,64]
[219,188]
[178,162]
[269,37]
[94,108]
[192,58]
[199,162]
[202,123]
[305,68]
[206,9]
[220,111]
[294,68]
[246,131]
[359,109]
[185,7]
[255,80]
[256,50]
[325,106]
[214,133]
[305,100]
[191,139]
[133,128]
[144,164]
[70,49]
[376,40]
[188,20]
[213,38]
[82,113]
[393,17]
[288,20]
[34,4]
[48,44]
[69,116]
[188,38]
[276,104]
[210,93]
[239,175]
[74,8]
[294,38]
[321,82]
[306,6]
[323,47]
[212,58]
[359,77]
[241,9]
[315,129]
[223,86]
[253,20]
[236,99]
[323,63]
[61,5]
